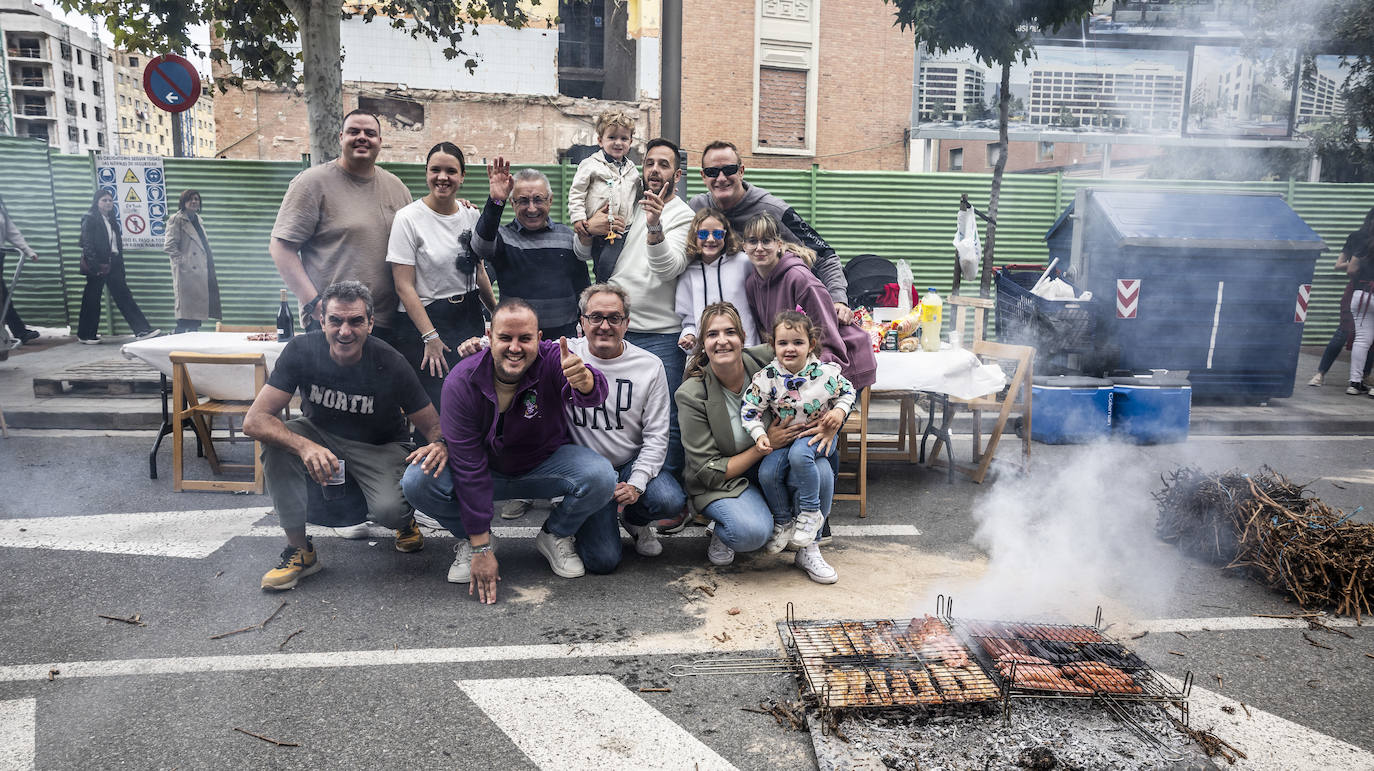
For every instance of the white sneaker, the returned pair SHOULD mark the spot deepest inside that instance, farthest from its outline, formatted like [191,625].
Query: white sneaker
[460,572]
[354,532]
[804,531]
[817,569]
[562,557]
[646,540]
[718,553]
[515,509]
[1317,379]
[782,535]
[424,520]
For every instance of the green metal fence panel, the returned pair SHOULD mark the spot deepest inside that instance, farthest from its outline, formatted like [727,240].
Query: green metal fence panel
[898,215]
[27,188]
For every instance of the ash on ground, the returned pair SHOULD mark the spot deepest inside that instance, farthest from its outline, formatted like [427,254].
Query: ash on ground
[1041,735]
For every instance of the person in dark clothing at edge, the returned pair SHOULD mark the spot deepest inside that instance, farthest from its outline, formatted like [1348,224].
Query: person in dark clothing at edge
[531,257]
[722,171]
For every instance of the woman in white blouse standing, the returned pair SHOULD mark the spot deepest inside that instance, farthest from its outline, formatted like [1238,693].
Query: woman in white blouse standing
[440,280]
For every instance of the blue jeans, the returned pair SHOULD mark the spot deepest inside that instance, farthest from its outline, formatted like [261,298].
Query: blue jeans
[674,362]
[662,499]
[584,479]
[781,482]
[744,523]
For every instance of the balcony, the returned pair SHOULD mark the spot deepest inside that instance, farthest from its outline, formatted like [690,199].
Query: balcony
[30,84]
[33,112]
[24,52]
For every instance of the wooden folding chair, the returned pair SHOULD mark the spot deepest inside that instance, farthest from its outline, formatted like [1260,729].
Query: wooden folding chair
[187,405]
[856,424]
[1016,395]
[979,306]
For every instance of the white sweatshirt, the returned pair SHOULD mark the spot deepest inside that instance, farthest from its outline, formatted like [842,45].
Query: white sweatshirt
[723,280]
[632,424]
[649,273]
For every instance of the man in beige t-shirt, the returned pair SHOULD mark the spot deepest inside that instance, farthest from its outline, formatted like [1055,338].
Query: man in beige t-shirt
[335,222]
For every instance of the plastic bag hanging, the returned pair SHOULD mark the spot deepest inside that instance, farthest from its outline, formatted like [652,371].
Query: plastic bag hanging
[966,243]
[904,283]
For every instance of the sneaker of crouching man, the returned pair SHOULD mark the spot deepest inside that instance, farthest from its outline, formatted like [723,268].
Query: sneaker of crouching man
[630,427]
[356,394]
[505,419]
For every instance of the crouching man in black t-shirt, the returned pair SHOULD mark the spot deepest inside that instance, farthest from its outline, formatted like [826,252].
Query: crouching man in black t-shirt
[356,392]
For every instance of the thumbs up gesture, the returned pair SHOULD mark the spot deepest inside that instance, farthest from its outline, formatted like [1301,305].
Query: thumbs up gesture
[574,370]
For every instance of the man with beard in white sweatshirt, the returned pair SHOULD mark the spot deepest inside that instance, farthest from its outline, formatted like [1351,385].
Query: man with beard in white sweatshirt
[630,428]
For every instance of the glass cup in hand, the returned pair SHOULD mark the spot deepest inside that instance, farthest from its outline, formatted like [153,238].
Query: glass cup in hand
[333,488]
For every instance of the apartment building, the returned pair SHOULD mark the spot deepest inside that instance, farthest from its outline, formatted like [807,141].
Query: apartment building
[60,79]
[1318,98]
[1141,97]
[951,90]
[144,129]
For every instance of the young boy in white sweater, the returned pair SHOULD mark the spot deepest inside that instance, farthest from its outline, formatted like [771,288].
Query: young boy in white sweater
[606,178]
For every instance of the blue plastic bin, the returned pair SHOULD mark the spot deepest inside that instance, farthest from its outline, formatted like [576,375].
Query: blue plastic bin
[1151,410]
[1070,410]
[1212,283]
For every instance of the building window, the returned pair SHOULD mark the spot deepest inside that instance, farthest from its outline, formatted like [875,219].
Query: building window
[71,133]
[100,115]
[100,139]
[992,154]
[956,159]
[1044,151]
[83,110]
[133,61]
[123,122]
[95,87]
[80,83]
[782,108]
[78,56]
[67,51]
[86,136]
[68,80]
[71,108]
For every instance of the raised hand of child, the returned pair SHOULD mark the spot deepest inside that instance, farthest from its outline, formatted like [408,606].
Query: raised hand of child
[687,342]
[763,444]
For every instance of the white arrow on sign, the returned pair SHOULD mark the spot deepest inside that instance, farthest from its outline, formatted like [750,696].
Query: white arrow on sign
[171,97]
[189,534]
[17,728]
[588,723]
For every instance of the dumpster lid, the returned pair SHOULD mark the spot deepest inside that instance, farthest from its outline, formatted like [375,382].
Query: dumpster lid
[1198,220]
[1070,381]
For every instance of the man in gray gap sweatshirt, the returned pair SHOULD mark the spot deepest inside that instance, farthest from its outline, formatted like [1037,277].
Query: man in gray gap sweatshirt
[722,171]
[630,427]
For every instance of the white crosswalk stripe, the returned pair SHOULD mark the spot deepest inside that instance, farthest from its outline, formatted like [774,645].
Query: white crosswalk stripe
[17,727]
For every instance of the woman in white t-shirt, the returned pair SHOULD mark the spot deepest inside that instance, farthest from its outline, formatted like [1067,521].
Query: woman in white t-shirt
[440,280]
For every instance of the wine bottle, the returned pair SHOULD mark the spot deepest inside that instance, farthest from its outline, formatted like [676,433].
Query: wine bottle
[285,328]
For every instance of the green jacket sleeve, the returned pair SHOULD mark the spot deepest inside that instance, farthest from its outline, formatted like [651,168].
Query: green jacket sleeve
[704,462]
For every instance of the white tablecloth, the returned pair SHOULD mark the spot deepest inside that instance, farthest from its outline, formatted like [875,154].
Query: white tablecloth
[216,382]
[956,372]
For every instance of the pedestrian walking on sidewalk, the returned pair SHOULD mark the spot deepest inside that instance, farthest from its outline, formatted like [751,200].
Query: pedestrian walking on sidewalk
[102,263]
[9,233]
[1362,310]
[1355,243]
[194,284]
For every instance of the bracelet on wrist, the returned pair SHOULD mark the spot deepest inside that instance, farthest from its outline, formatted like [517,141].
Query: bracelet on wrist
[484,548]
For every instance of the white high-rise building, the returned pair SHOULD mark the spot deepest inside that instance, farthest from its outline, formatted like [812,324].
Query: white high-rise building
[1145,97]
[60,79]
[949,88]
[1320,98]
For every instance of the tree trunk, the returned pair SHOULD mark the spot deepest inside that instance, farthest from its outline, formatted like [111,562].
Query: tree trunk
[1003,110]
[322,73]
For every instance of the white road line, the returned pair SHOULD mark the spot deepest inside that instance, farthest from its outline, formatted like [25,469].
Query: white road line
[1275,438]
[84,433]
[188,534]
[508,531]
[1270,741]
[17,728]
[588,723]
[1227,624]
[344,659]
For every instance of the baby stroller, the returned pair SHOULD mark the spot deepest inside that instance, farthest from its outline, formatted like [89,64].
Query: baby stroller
[868,275]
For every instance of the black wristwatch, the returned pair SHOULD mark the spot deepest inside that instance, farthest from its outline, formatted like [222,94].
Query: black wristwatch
[309,308]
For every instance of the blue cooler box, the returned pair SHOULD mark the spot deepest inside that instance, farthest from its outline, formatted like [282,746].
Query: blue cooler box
[1070,410]
[1151,410]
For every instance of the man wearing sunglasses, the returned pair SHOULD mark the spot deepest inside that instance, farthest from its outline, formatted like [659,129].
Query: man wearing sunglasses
[722,171]
[356,394]
[646,264]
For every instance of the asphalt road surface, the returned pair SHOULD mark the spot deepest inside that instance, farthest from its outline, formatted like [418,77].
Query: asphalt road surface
[378,662]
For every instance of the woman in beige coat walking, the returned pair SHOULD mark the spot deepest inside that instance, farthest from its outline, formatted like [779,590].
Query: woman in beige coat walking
[193,265]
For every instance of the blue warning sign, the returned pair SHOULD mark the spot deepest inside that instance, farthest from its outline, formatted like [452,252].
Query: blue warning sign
[155,192]
[107,177]
[158,228]
[153,176]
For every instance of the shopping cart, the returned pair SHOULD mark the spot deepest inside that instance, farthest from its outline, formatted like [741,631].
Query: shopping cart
[1061,331]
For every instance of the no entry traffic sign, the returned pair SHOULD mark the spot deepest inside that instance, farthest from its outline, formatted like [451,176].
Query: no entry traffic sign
[171,82]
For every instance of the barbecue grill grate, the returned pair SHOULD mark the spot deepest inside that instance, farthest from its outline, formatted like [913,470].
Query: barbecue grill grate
[1062,661]
[884,663]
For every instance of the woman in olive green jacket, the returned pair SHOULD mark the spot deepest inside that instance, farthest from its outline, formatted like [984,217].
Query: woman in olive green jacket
[194,285]
[722,468]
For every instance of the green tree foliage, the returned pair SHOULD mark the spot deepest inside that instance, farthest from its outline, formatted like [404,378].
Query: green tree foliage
[1000,33]
[256,35]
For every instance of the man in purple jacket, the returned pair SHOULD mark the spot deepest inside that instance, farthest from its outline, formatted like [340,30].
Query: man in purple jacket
[504,418]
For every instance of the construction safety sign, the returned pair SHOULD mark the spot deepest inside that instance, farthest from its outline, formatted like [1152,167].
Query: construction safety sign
[136,182]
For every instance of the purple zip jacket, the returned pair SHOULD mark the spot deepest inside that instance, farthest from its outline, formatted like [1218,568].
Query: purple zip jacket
[534,425]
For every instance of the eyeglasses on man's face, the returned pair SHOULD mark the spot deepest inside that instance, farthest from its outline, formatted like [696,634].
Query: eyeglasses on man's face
[597,319]
[717,234]
[538,200]
[728,170]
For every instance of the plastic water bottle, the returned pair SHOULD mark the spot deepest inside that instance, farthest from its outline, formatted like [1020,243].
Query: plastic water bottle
[932,316]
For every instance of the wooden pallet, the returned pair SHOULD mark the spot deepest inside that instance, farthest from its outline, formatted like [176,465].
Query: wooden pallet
[111,377]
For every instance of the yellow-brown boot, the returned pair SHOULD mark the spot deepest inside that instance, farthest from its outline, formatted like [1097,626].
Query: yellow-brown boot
[296,563]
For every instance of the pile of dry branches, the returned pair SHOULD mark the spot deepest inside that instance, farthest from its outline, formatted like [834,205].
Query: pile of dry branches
[1269,525]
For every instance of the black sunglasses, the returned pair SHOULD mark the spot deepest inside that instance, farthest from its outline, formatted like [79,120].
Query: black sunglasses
[715,171]
[718,235]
